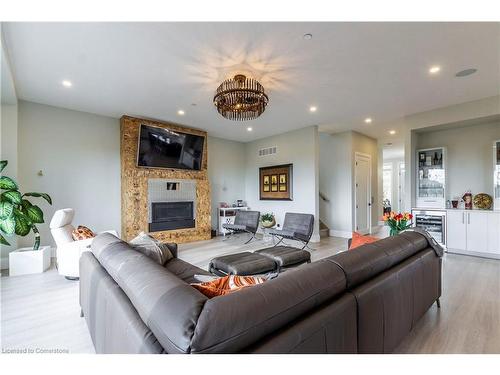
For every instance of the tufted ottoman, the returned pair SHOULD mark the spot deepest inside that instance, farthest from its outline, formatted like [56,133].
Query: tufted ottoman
[286,256]
[272,259]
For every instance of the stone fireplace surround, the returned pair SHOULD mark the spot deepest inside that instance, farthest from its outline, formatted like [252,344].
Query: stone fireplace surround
[135,181]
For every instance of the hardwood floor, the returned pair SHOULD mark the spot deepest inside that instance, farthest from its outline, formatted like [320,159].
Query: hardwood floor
[42,311]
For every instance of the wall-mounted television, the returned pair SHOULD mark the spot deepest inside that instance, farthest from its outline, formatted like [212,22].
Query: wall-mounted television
[166,148]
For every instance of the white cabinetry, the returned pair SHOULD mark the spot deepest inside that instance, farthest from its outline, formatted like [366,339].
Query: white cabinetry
[473,232]
[477,231]
[456,230]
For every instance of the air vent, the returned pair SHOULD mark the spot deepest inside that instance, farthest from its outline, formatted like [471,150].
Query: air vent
[268,151]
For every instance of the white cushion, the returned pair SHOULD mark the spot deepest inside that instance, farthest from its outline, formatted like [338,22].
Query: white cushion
[62,218]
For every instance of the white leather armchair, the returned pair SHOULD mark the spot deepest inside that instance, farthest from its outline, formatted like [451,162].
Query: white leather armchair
[68,250]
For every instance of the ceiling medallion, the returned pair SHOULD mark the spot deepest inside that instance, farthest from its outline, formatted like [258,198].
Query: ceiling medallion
[240,98]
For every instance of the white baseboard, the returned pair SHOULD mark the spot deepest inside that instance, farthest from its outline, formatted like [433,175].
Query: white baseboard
[340,233]
[315,238]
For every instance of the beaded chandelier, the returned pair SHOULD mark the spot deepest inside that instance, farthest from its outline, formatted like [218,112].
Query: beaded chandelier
[240,98]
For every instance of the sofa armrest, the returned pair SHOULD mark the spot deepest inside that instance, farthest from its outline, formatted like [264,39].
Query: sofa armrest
[77,245]
[112,231]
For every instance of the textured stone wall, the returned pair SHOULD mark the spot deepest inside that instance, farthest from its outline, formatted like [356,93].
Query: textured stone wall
[134,186]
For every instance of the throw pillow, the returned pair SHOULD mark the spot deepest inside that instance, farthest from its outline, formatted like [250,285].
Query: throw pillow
[359,239]
[152,248]
[82,233]
[227,284]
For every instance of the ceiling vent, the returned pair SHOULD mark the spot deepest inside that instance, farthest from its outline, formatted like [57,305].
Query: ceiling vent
[268,151]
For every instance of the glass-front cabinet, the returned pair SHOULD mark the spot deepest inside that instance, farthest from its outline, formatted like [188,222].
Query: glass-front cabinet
[431,178]
[496,174]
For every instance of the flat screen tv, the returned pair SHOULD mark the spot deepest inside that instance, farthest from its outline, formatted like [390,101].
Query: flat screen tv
[165,148]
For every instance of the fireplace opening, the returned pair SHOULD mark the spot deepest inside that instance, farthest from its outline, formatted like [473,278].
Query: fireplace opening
[171,215]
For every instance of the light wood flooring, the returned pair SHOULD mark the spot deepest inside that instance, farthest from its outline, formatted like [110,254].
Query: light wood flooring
[42,311]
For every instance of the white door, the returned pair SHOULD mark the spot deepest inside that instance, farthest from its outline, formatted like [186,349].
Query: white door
[477,231]
[456,229]
[362,181]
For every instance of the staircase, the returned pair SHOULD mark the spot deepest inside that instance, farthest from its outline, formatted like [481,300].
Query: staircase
[324,231]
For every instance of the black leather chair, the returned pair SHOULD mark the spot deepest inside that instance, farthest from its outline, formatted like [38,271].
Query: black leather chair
[298,227]
[244,222]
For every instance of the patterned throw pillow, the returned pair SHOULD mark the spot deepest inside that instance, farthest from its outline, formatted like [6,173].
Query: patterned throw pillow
[359,239]
[82,233]
[227,284]
[152,248]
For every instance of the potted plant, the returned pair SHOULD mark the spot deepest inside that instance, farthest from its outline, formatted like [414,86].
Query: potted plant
[397,222]
[267,220]
[18,216]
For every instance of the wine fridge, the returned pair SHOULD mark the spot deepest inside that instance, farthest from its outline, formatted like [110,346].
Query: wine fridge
[432,221]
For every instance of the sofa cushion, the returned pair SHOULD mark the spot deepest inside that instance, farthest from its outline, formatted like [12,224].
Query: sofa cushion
[227,284]
[367,261]
[358,240]
[184,270]
[149,246]
[230,323]
[166,304]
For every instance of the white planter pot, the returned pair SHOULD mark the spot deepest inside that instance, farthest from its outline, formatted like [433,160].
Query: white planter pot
[26,260]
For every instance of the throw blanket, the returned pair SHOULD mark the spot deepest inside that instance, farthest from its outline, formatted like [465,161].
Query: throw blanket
[438,249]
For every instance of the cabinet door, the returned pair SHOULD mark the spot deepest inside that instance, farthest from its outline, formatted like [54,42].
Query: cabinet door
[456,233]
[493,233]
[477,231]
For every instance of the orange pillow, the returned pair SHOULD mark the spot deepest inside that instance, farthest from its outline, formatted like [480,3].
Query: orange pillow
[227,284]
[82,233]
[359,239]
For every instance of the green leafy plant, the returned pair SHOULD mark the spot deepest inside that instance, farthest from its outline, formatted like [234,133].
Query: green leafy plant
[17,214]
[267,217]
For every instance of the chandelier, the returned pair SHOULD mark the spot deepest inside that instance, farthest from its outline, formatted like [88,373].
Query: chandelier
[240,98]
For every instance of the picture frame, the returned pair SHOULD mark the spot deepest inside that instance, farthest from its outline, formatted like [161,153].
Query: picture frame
[276,182]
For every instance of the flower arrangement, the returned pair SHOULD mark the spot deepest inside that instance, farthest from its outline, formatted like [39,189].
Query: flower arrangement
[397,222]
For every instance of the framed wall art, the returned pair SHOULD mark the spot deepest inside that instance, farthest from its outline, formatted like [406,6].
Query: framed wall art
[276,182]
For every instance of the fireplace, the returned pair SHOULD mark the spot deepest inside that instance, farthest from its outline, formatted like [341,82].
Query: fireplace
[171,215]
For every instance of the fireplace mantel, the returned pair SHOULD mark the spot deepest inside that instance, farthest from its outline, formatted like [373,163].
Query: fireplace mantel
[134,186]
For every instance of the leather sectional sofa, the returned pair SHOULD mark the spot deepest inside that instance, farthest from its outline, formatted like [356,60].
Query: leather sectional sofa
[364,300]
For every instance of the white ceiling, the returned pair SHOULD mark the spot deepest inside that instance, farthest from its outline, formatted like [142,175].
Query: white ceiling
[348,70]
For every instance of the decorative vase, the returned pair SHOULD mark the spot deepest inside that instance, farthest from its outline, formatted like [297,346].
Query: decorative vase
[269,224]
[394,232]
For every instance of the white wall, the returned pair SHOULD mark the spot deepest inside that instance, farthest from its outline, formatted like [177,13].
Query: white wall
[299,147]
[336,176]
[8,137]
[469,156]
[226,173]
[335,181]
[79,156]
[8,134]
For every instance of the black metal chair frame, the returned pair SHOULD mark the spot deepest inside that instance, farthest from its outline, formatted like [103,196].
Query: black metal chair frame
[233,231]
[294,238]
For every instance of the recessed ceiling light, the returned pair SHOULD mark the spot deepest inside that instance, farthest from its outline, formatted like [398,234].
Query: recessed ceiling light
[368,120]
[308,36]
[313,109]
[66,83]
[180,112]
[466,72]
[434,69]
[249,129]
[392,132]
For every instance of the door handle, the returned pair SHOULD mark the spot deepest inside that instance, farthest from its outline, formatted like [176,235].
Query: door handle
[468,218]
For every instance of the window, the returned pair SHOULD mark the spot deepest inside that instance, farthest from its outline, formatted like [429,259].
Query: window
[387,182]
